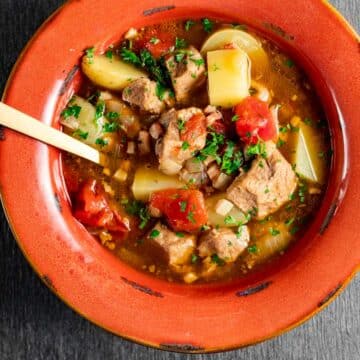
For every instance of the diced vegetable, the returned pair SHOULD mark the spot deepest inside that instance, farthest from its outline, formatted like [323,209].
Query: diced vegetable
[84,125]
[229,77]
[113,74]
[223,207]
[274,241]
[147,181]
[93,208]
[238,39]
[232,219]
[306,160]
[255,121]
[184,209]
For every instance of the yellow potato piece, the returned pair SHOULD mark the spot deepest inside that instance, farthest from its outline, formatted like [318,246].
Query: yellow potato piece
[244,41]
[147,181]
[307,146]
[113,74]
[228,76]
[219,220]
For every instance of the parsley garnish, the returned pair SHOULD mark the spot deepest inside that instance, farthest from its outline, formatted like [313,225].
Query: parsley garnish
[198,62]
[274,232]
[235,118]
[257,149]
[160,91]
[216,260]
[109,54]
[289,63]
[252,249]
[154,233]
[180,234]
[289,222]
[180,43]
[181,124]
[185,145]
[71,111]
[84,135]
[231,160]
[179,57]
[183,206]
[194,258]
[100,109]
[138,208]
[112,115]
[90,55]
[101,142]
[189,24]
[207,25]
[110,127]
[229,220]
[190,217]
[130,56]
[154,40]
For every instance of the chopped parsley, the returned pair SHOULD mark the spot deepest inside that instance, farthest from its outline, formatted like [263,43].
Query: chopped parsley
[194,258]
[154,40]
[180,234]
[289,222]
[90,55]
[160,91]
[185,145]
[109,54]
[110,127]
[289,63]
[198,62]
[138,208]
[232,159]
[257,149]
[101,142]
[130,57]
[180,43]
[99,110]
[280,143]
[216,260]
[252,249]
[207,25]
[179,57]
[205,228]
[112,115]
[71,111]
[294,230]
[190,217]
[183,206]
[215,67]
[181,124]
[229,220]
[189,24]
[274,232]
[82,134]
[154,233]
[308,121]
[235,118]
[283,129]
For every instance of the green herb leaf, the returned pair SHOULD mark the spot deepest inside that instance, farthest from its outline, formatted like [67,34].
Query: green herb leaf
[185,145]
[216,260]
[257,149]
[252,249]
[180,43]
[101,142]
[235,118]
[154,40]
[160,91]
[71,111]
[100,109]
[109,54]
[190,217]
[112,115]
[154,233]
[82,134]
[289,63]
[189,24]
[90,55]
[194,258]
[180,234]
[183,206]
[274,232]
[207,25]
[130,57]
[110,127]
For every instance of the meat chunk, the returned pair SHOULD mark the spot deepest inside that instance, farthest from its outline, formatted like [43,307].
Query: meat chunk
[142,92]
[266,186]
[186,133]
[176,249]
[186,74]
[225,243]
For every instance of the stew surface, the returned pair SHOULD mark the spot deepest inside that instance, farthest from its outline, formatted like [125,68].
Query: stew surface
[219,151]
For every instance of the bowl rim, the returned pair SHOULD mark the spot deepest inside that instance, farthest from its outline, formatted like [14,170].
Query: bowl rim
[351,31]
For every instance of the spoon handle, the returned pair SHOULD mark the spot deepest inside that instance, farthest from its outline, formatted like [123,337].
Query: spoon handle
[25,124]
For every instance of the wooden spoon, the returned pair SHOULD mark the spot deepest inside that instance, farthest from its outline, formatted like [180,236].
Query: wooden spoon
[25,124]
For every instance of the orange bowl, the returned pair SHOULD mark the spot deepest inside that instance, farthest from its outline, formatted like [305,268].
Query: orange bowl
[198,318]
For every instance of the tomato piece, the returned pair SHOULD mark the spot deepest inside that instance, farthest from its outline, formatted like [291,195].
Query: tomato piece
[193,128]
[93,208]
[158,43]
[184,209]
[254,121]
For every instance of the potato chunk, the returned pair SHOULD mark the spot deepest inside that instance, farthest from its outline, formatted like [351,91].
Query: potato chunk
[229,77]
[113,74]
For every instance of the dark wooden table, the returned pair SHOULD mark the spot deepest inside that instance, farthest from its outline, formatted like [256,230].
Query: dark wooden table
[35,324]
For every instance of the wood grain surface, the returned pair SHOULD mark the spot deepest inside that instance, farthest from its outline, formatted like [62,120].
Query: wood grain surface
[36,325]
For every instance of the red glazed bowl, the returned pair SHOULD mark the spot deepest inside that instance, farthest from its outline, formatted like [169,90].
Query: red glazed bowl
[199,318]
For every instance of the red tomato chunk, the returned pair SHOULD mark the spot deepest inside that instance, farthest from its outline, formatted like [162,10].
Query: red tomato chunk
[93,208]
[254,121]
[184,209]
